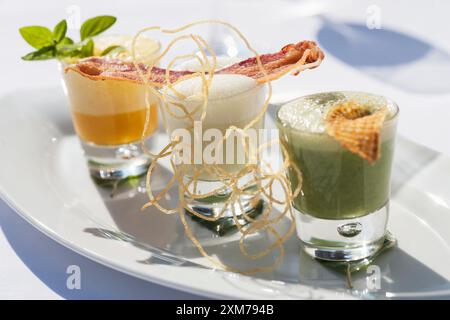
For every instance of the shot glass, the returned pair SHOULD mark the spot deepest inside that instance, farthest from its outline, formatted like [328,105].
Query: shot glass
[343,206]
[233,101]
[109,118]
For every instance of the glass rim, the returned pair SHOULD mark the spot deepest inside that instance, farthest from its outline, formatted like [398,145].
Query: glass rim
[157,42]
[392,118]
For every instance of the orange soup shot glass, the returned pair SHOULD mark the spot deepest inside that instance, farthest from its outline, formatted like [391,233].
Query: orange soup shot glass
[109,117]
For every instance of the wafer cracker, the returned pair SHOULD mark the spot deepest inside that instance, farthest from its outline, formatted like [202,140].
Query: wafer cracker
[357,129]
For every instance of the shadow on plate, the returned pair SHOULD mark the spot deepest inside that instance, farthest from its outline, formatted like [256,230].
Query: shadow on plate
[396,58]
[164,235]
[48,260]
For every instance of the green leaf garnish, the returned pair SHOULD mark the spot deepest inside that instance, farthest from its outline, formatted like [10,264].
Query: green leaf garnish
[59,32]
[55,44]
[44,53]
[95,26]
[68,50]
[37,36]
[110,49]
[65,41]
[87,49]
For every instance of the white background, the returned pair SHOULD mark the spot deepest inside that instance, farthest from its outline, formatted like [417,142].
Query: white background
[33,266]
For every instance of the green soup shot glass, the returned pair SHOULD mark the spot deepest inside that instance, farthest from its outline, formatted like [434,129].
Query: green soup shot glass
[343,206]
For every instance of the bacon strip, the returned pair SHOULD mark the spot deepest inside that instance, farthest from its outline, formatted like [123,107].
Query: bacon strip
[292,58]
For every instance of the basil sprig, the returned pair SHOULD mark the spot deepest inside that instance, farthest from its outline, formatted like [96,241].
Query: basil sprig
[54,44]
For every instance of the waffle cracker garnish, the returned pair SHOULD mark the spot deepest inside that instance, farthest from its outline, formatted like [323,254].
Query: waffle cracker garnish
[357,129]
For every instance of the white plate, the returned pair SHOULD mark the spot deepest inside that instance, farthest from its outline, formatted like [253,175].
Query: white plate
[44,177]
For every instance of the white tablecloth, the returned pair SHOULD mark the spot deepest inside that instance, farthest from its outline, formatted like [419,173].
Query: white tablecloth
[34,266]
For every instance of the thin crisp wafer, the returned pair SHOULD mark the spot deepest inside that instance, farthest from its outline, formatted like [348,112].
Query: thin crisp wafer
[357,129]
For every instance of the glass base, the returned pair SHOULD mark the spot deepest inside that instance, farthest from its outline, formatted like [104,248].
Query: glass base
[212,207]
[116,162]
[343,240]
